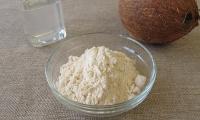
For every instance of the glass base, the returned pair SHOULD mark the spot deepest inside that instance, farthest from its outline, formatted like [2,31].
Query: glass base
[47,38]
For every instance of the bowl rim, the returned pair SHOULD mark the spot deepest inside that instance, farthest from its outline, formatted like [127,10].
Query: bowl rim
[147,87]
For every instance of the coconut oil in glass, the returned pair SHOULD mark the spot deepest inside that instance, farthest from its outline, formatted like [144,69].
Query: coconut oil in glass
[43,21]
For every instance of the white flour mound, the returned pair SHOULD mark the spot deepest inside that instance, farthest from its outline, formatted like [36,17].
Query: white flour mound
[100,77]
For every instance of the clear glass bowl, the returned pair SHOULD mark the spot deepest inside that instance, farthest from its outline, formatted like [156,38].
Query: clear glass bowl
[76,46]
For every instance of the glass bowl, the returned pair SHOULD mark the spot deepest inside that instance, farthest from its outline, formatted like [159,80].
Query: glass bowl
[77,45]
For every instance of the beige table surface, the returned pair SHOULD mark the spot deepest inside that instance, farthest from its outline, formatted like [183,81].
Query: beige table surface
[24,94]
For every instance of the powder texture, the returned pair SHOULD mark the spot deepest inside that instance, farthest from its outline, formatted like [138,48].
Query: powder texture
[100,76]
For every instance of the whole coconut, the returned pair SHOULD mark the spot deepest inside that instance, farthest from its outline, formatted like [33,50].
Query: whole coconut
[158,21]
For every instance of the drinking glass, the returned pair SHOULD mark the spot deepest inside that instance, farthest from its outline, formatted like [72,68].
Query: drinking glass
[43,21]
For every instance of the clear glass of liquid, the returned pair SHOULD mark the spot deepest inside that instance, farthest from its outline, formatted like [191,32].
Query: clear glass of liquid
[43,21]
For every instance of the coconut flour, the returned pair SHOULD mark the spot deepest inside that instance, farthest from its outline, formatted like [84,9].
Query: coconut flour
[100,76]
